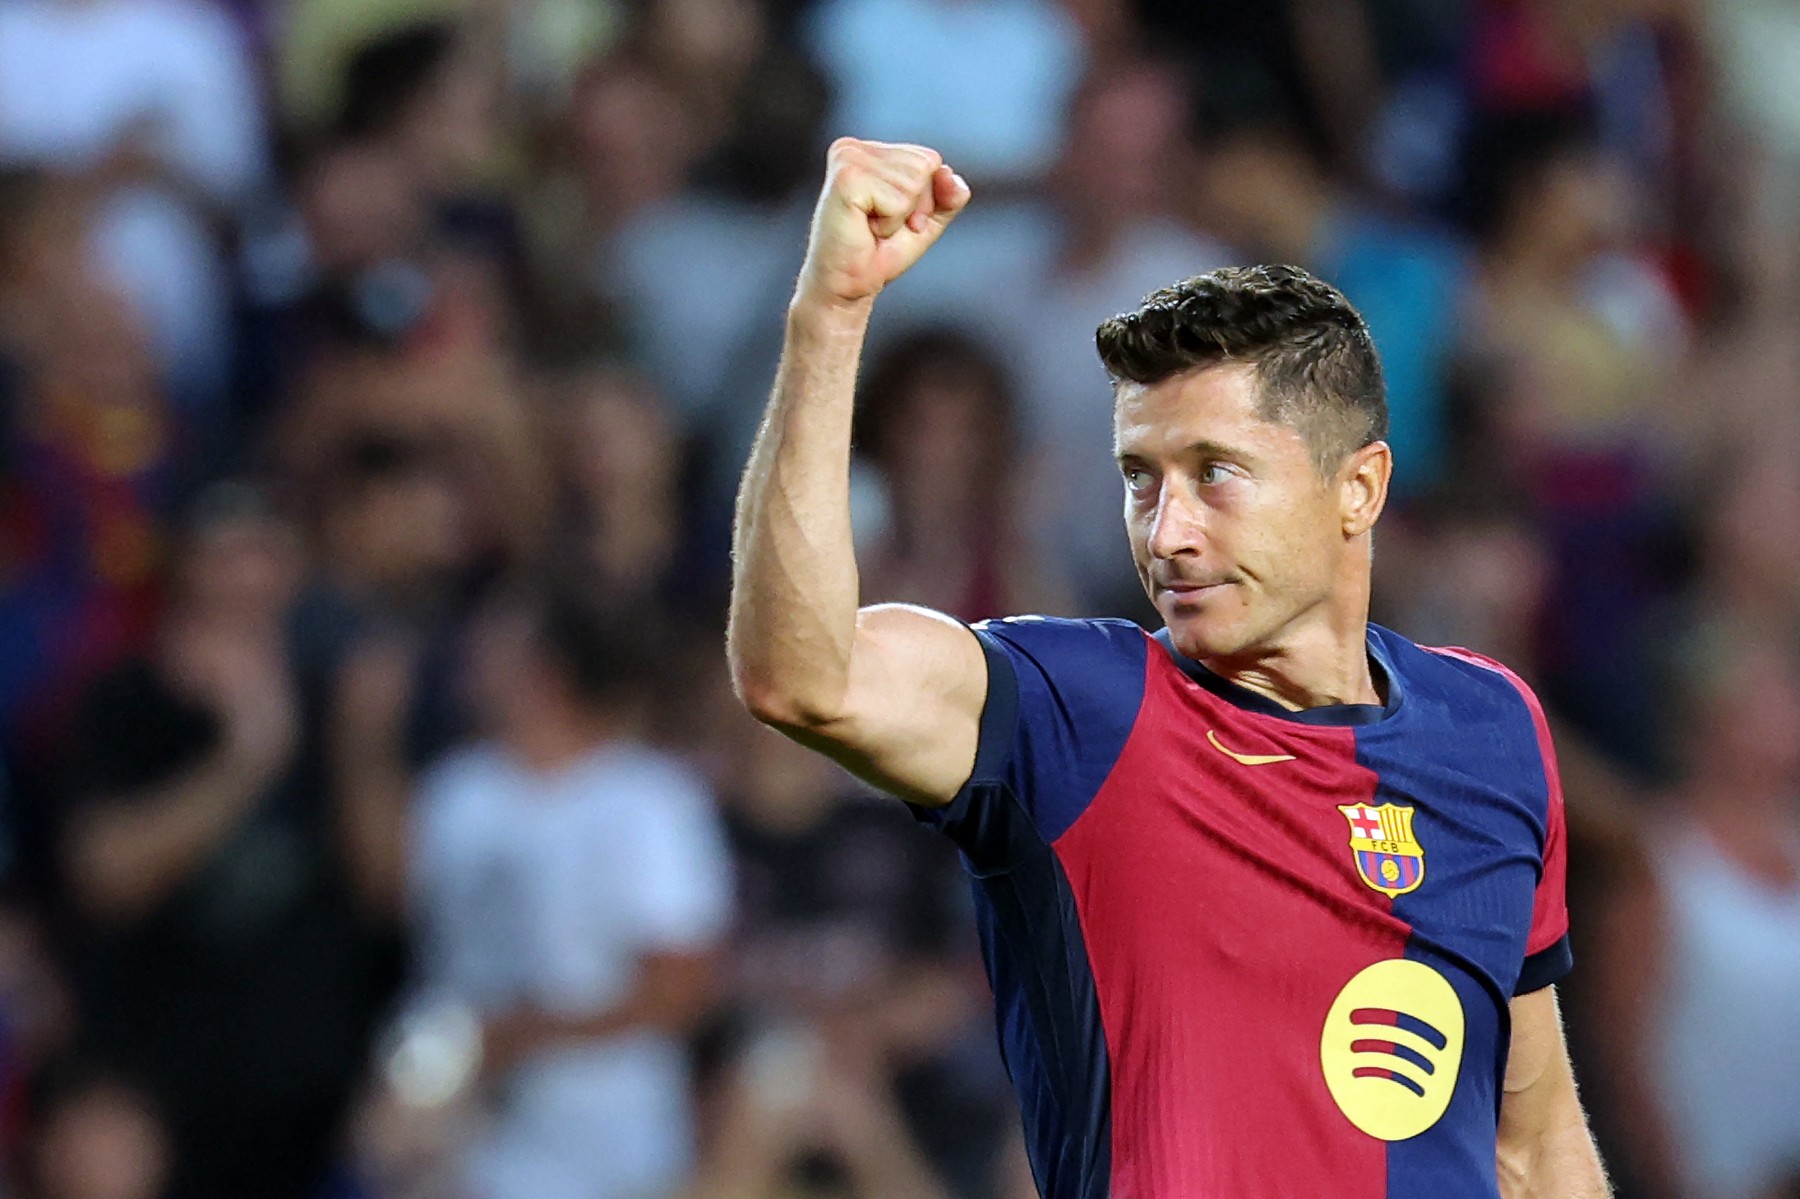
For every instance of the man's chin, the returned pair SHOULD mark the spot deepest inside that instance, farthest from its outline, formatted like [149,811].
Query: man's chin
[1200,636]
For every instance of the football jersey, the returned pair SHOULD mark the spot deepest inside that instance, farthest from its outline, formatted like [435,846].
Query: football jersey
[1242,952]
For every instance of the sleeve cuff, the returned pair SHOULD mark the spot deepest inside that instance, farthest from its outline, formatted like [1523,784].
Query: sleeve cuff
[1545,967]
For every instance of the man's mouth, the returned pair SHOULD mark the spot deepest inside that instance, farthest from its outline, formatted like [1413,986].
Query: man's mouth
[1190,586]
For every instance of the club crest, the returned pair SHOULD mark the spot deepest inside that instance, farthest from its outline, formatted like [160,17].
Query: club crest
[1388,857]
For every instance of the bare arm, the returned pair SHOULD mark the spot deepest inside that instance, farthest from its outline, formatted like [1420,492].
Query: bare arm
[128,852]
[372,780]
[892,692]
[1545,1148]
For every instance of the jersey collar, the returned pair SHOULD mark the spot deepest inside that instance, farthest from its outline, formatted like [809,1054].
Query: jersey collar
[1328,714]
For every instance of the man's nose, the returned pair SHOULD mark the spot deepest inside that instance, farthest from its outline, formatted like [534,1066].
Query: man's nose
[1178,525]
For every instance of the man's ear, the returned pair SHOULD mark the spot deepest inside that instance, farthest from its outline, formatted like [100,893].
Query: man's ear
[1363,486]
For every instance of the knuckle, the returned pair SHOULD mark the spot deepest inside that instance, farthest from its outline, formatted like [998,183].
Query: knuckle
[922,158]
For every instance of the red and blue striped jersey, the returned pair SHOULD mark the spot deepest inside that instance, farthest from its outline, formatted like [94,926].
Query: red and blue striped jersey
[1242,951]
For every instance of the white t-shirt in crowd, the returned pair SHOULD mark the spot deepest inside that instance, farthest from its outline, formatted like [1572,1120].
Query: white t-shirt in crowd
[1727,1033]
[986,84]
[547,889]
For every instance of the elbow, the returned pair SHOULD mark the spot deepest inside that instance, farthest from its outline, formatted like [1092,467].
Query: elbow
[779,703]
[777,708]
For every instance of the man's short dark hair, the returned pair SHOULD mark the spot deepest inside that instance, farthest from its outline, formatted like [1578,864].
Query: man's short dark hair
[1311,352]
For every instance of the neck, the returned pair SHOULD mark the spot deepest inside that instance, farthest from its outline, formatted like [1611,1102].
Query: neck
[1755,829]
[1321,659]
[552,739]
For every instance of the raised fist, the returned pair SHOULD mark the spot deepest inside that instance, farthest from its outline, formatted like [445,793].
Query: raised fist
[882,207]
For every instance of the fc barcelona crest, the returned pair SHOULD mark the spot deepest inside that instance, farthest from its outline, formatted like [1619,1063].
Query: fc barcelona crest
[1387,856]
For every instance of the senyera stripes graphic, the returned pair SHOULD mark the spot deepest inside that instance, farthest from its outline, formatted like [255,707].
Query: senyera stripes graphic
[1369,1017]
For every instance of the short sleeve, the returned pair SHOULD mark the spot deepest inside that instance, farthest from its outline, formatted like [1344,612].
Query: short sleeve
[1063,697]
[1547,954]
[680,898]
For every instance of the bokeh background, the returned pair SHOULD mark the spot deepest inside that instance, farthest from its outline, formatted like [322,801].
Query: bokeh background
[374,379]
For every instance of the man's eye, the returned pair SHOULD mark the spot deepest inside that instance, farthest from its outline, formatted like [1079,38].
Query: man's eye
[1136,479]
[1214,473]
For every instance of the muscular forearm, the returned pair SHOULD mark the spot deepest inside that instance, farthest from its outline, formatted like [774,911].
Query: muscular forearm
[1544,1148]
[794,590]
[125,856]
[1565,1166]
[1551,1156]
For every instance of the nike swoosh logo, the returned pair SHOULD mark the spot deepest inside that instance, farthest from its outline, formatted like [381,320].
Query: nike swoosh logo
[1246,759]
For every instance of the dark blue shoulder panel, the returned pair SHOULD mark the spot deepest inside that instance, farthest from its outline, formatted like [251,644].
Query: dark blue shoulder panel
[1063,696]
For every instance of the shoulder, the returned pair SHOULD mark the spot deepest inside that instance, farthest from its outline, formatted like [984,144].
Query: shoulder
[461,811]
[1085,667]
[1471,683]
[1477,695]
[476,770]
[1051,639]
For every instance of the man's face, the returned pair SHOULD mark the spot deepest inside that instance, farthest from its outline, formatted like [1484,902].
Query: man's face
[1235,535]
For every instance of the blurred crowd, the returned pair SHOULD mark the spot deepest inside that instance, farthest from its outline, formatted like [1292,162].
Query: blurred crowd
[374,380]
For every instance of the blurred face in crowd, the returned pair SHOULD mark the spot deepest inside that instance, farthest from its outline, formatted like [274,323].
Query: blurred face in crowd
[450,132]
[1237,537]
[1575,206]
[240,570]
[1124,136]
[941,439]
[1753,567]
[398,530]
[1748,734]
[716,39]
[632,137]
[360,207]
[622,451]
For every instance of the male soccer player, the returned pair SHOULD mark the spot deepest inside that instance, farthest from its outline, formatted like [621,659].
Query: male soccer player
[1272,901]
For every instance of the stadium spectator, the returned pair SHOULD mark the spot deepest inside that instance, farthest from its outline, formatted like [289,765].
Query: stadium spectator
[856,1048]
[218,949]
[986,83]
[570,883]
[1261,186]
[619,143]
[1115,239]
[622,472]
[1567,333]
[92,1136]
[939,429]
[707,50]
[1702,959]
[94,459]
[392,237]
[159,105]
[806,1116]
[749,196]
